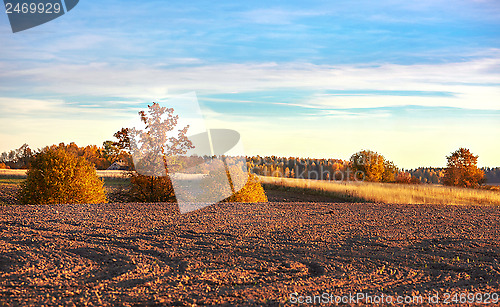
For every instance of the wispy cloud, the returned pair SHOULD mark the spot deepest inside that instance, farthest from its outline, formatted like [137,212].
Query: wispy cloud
[278,16]
[473,84]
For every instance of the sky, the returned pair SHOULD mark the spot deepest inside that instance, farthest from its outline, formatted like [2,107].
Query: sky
[413,81]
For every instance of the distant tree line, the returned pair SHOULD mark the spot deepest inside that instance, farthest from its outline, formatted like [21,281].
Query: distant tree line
[492,174]
[432,175]
[363,165]
[295,167]
[18,158]
[373,165]
[100,157]
[435,175]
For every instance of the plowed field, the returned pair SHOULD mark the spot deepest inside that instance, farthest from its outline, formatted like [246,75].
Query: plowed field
[275,253]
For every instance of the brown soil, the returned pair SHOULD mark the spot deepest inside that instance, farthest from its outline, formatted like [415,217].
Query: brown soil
[8,194]
[243,254]
[274,195]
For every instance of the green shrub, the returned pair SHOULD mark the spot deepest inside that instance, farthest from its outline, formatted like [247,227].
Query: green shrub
[58,177]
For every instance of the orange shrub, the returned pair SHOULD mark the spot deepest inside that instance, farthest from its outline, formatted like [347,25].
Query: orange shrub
[58,177]
[252,192]
[217,184]
[151,188]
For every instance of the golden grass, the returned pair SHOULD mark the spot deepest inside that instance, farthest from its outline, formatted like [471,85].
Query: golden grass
[111,174]
[12,173]
[392,193]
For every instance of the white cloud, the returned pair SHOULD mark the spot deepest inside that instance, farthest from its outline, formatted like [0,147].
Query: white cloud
[277,16]
[14,108]
[473,83]
[466,97]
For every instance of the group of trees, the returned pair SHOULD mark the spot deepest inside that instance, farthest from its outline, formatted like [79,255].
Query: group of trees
[67,173]
[492,174]
[435,175]
[371,166]
[363,165]
[18,158]
[303,168]
[100,157]
[432,175]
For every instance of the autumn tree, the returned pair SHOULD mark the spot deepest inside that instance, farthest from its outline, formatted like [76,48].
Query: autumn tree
[115,152]
[123,139]
[150,148]
[374,166]
[111,151]
[461,169]
[390,172]
[95,155]
[216,184]
[369,164]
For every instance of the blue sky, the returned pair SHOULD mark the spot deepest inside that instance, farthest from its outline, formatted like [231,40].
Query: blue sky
[413,81]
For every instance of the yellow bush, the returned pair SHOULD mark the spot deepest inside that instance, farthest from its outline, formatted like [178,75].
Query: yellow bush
[252,192]
[58,177]
[220,183]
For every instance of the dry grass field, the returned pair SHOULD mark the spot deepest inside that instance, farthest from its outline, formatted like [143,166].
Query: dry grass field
[7,173]
[392,193]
